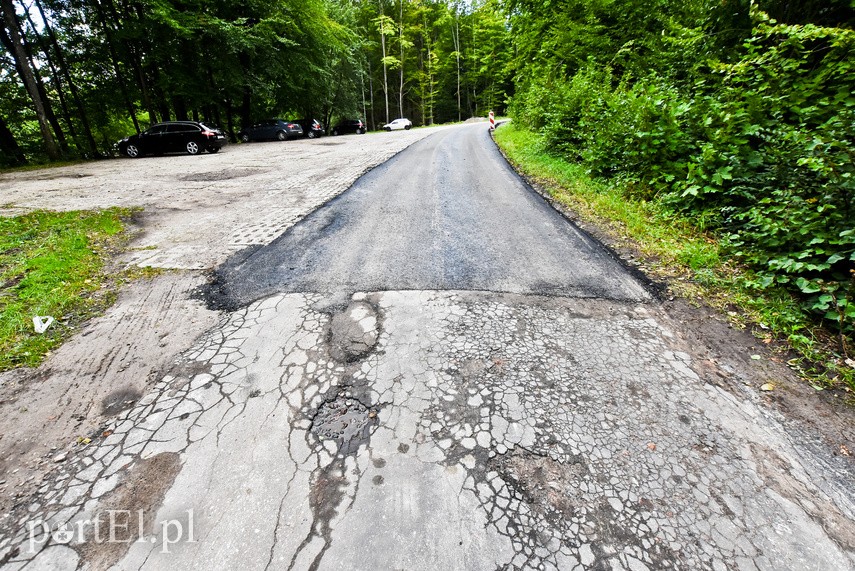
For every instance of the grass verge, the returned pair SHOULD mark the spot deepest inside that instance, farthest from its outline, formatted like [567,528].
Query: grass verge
[691,262]
[53,264]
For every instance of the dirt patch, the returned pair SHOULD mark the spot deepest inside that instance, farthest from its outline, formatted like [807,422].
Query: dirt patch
[775,471]
[227,174]
[740,363]
[119,400]
[113,359]
[139,494]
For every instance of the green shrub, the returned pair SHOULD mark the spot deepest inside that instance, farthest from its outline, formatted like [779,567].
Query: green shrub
[758,148]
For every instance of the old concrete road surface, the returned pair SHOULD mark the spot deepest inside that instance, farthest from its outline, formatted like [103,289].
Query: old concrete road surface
[391,389]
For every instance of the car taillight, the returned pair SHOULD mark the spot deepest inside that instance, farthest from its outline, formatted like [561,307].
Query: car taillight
[290,125]
[209,134]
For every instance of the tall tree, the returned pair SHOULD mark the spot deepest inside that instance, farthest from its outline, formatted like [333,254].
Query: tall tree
[19,53]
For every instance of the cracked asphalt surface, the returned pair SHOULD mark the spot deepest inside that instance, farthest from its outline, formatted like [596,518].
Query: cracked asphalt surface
[400,426]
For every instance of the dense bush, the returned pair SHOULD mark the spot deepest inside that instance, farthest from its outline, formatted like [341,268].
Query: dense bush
[755,142]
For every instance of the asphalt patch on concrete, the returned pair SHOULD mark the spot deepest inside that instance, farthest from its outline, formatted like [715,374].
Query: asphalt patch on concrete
[120,400]
[346,421]
[446,214]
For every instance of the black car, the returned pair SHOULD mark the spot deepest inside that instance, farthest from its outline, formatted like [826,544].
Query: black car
[173,137]
[270,129]
[349,126]
[312,128]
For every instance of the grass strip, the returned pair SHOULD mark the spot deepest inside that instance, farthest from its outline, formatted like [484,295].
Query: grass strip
[53,264]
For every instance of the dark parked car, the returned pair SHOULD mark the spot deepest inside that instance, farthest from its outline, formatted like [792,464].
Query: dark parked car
[312,128]
[173,137]
[271,129]
[349,126]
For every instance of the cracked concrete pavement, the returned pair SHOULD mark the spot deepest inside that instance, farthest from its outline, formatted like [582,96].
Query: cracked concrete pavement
[443,430]
[198,211]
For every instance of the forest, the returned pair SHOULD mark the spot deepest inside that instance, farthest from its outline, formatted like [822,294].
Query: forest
[736,115]
[77,75]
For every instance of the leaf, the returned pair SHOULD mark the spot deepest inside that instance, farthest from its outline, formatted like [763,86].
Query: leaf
[807,286]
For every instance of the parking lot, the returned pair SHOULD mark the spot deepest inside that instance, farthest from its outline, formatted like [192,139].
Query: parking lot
[196,212]
[200,209]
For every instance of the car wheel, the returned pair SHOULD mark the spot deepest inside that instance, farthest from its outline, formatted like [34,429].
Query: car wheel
[407,128]
[281,135]
[213,150]
[387,129]
[244,138]
[360,131]
[132,151]
[193,148]
[311,135]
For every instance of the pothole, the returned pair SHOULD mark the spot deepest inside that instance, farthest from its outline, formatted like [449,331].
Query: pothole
[119,400]
[354,332]
[550,487]
[345,420]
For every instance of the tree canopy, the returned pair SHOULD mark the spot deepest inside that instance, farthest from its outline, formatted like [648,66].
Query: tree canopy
[76,75]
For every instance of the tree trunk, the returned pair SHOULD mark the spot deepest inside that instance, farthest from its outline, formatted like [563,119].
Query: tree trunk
[401,68]
[362,87]
[383,48]
[180,108]
[431,95]
[134,60]
[114,58]
[246,100]
[57,84]
[28,78]
[51,116]
[63,65]
[455,33]
[371,94]
[9,145]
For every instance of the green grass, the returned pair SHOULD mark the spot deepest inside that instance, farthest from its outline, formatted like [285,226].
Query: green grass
[53,263]
[674,250]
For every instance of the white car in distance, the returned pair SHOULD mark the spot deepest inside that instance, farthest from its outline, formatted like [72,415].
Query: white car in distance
[398,124]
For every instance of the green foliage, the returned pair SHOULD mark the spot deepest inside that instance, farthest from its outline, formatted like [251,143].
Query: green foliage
[118,67]
[753,139]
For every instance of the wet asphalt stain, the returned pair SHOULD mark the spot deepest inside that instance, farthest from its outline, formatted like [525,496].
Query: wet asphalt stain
[119,400]
[346,421]
[220,175]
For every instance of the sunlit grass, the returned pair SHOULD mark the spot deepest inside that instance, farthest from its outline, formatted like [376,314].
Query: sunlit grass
[52,264]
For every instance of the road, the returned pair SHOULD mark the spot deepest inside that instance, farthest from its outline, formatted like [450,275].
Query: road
[449,214]
[436,371]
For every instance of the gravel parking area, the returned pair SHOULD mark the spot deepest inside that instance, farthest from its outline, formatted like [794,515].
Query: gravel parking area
[198,210]
[201,209]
